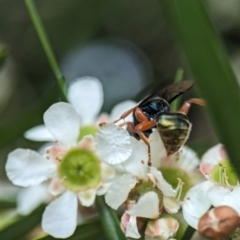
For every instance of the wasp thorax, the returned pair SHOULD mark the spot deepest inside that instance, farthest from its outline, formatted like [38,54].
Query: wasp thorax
[224,174]
[79,170]
[141,188]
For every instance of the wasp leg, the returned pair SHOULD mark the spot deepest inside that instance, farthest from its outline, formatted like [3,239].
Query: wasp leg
[141,117]
[187,104]
[124,115]
[143,126]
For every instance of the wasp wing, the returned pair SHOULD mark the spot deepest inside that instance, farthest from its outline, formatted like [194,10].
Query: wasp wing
[174,90]
[171,92]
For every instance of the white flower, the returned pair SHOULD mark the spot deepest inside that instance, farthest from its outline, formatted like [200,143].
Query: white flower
[180,169]
[86,96]
[73,167]
[143,188]
[220,189]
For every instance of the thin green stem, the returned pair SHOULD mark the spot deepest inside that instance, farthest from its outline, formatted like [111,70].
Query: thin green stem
[45,43]
[178,77]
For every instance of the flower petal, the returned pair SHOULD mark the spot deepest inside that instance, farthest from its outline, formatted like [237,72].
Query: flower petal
[39,134]
[211,158]
[87,197]
[86,96]
[191,220]
[119,190]
[113,144]
[121,108]
[196,202]
[26,168]
[60,216]
[63,123]
[87,143]
[158,151]
[107,172]
[232,199]
[185,159]
[132,229]
[136,164]
[147,206]
[171,205]
[216,195]
[30,198]
[56,186]
[162,184]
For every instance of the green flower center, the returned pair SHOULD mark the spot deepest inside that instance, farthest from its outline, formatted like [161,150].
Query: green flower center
[87,130]
[224,174]
[142,188]
[171,175]
[80,170]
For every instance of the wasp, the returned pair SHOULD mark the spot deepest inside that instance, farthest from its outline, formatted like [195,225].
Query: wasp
[154,112]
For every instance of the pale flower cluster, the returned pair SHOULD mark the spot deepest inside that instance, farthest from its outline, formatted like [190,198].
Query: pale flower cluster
[82,161]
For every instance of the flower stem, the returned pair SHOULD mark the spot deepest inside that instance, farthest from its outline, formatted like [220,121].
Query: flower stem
[178,77]
[45,44]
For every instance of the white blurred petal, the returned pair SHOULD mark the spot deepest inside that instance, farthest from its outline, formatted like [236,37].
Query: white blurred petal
[132,229]
[232,199]
[211,159]
[26,168]
[103,189]
[136,164]
[191,220]
[147,206]
[86,96]
[158,151]
[113,144]
[121,108]
[87,143]
[214,155]
[216,195]
[30,198]
[171,205]
[119,190]
[63,123]
[87,197]
[107,172]
[56,186]
[196,202]
[162,184]
[39,133]
[60,216]
[185,159]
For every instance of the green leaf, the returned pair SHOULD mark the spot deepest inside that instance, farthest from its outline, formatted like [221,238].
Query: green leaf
[87,231]
[5,204]
[20,228]
[3,54]
[109,221]
[210,67]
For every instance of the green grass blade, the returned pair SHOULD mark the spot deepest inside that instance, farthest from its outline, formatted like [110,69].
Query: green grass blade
[210,67]
[20,228]
[109,221]
[45,43]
